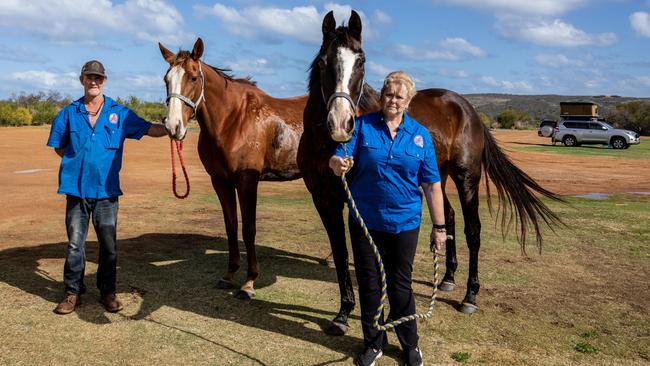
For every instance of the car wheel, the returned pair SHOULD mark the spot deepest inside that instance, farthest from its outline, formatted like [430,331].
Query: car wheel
[618,143]
[569,141]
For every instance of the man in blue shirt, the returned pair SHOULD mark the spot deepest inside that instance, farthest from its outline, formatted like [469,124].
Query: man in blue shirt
[88,135]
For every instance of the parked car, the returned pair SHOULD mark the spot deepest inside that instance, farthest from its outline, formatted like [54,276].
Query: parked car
[575,133]
[546,128]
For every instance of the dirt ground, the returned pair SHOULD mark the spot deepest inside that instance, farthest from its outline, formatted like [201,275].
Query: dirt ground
[28,173]
[159,246]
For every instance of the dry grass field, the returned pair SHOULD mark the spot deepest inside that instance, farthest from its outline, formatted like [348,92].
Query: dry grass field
[584,301]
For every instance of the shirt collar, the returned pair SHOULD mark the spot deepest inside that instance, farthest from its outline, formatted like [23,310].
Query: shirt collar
[108,102]
[407,125]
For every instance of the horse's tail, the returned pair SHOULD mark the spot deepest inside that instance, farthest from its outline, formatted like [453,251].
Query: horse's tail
[516,192]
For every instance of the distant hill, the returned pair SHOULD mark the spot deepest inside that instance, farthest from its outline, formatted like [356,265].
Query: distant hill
[541,106]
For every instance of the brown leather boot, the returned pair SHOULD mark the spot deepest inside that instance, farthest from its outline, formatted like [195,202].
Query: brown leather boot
[110,302]
[68,304]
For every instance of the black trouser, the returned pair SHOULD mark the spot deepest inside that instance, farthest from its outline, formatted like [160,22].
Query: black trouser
[397,252]
[104,217]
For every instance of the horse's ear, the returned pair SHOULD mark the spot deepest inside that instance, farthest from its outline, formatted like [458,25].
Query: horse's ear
[354,25]
[329,25]
[197,51]
[168,55]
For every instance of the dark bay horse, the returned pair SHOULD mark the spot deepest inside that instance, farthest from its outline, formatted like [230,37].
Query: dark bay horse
[246,136]
[465,151]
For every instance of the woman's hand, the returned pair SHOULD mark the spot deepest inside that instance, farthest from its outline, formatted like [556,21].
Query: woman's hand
[438,238]
[340,165]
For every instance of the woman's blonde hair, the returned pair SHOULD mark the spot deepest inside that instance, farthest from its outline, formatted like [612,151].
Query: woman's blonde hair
[400,77]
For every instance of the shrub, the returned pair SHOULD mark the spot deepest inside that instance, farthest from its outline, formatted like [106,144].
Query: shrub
[487,120]
[12,115]
[509,118]
[633,116]
[151,111]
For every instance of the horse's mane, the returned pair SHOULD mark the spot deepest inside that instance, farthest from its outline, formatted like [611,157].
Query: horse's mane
[181,56]
[369,99]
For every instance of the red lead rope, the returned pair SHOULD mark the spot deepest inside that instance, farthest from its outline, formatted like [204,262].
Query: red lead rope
[179,148]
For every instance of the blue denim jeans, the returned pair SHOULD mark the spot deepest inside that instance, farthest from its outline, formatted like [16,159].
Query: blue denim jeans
[78,213]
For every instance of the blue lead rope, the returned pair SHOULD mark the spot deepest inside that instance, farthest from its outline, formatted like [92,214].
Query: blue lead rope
[384,296]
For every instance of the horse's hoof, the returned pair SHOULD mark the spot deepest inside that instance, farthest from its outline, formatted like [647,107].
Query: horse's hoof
[446,286]
[468,308]
[245,295]
[224,284]
[336,329]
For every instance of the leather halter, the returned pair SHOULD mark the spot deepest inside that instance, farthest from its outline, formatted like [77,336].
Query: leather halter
[343,95]
[188,101]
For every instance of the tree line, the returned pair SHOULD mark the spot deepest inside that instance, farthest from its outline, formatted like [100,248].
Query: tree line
[633,116]
[41,108]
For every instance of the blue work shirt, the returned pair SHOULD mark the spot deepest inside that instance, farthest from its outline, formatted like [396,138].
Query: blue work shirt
[92,158]
[386,177]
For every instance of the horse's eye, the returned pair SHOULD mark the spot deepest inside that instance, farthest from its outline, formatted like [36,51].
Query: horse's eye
[194,78]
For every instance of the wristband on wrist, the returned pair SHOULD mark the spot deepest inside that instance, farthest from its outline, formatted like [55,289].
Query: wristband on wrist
[439,226]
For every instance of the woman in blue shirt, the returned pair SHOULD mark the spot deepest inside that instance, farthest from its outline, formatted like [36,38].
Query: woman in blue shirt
[393,157]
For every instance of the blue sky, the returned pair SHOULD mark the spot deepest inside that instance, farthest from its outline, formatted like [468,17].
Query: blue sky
[571,47]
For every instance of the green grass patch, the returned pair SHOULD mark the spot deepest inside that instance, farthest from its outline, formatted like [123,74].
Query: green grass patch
[461,356]
[636,152]
[589,334]
[584,347]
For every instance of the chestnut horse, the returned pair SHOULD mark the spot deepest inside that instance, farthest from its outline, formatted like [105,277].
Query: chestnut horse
[465,151]
[246,136]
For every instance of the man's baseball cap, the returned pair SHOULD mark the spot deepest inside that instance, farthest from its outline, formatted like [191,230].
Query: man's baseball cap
[93,67]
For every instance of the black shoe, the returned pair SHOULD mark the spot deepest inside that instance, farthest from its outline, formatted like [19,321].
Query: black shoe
[368,357]
[414,357]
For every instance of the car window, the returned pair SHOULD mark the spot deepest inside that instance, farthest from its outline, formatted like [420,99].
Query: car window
[580,125]
[595,126]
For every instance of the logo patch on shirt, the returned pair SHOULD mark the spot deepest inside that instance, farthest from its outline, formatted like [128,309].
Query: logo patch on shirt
[113,118]
[418,140]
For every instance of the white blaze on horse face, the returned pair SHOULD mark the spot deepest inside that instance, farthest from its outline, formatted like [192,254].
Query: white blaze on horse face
[341,113]
[174,122]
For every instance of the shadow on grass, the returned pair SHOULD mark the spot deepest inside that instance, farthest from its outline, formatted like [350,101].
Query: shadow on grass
[180,271]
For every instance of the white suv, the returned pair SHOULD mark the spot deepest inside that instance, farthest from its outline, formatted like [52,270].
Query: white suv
[575,133]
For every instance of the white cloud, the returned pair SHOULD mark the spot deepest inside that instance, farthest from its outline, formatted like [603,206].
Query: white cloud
[450,49]
[558,60]
[302,22]
[506,85]
[46,80]
[382,18]
[554,33]
[537,7]
[640,22]
[75,21]
[378,69]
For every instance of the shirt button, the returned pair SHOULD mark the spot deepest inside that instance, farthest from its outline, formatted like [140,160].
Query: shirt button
[391,156]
